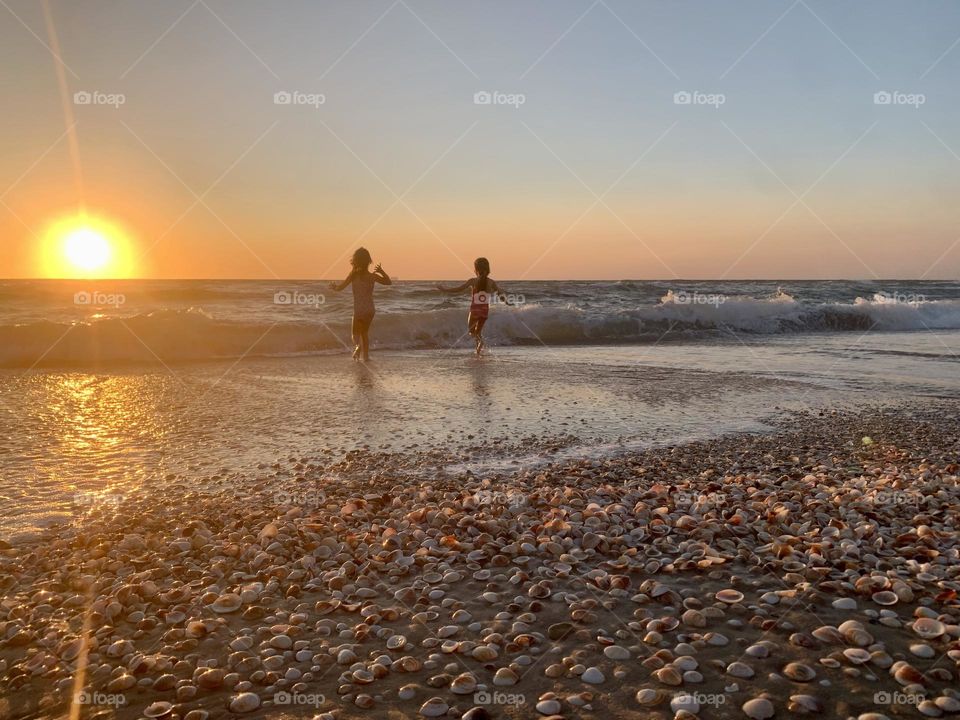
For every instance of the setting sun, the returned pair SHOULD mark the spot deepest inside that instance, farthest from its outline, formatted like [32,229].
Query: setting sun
[86,247]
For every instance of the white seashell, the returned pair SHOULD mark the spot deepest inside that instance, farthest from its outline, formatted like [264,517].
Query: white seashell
[245,702]
[922,650]
[740,670]
[593,676]
[685,702]
[616,652]
[505,676]
[434,707]
[758,708]
[548,707]
[928,628]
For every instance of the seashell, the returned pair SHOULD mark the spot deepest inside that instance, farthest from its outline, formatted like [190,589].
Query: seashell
[729,596]
[554,671]
[858,656]
[616,652]
[484,653]
[828,634]
[559,631]
[463,684]
[226,603]
[548,707]
[593,676]
[845,604]
[694,618]
[740,670]
[928,628]
[407,692]
[922,650]
[685,703]
[158,709]
[650,697]
[244,702]
[434,707]
[760,650]
[885,597]
[906,674]
[929,708]
[396,642]
[799,672]
[948,704]
[758,708]
[669,676]
[804,704]
[211,679]
[505,676]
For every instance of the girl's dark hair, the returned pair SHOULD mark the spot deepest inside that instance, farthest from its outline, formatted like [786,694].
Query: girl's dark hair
[361,258]
[482,267]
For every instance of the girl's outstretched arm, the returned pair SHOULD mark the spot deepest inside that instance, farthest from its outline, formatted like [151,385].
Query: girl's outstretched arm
[337,287]
[501,294]
[458,288]
[380,276]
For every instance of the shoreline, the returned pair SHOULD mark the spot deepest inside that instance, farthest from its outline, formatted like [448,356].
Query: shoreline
[614,584]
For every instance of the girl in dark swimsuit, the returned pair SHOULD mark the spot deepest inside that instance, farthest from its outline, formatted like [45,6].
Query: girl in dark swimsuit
[363,308]
[482,288]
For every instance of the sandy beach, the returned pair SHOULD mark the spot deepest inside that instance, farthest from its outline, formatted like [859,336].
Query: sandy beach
[813,570]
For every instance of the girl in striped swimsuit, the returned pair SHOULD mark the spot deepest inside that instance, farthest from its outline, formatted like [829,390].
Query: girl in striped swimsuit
[363,308]
[482,288]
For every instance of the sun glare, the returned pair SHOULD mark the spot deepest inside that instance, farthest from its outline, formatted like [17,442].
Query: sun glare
[86,247]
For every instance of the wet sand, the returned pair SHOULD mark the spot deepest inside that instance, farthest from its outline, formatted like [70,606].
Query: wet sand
[808,571]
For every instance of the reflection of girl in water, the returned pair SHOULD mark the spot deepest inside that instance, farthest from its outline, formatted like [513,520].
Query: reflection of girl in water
[363,308]
[482,287]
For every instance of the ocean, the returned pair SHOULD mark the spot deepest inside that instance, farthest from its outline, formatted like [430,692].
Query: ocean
[96,325]
[113,385]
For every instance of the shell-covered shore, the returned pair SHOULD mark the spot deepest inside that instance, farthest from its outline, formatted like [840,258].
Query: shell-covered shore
[812,571]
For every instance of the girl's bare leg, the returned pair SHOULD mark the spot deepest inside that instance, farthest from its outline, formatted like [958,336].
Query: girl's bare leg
[357,333]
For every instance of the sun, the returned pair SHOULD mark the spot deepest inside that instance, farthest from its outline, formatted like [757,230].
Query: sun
[86,249]
[85,246]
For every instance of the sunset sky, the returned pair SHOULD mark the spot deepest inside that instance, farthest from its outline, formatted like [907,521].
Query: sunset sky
[599,173]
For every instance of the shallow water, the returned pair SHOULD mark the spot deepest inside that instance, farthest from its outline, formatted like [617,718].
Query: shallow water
[67,435]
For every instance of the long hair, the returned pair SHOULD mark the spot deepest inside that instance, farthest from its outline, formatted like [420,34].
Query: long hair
[361,259]
[482,267]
